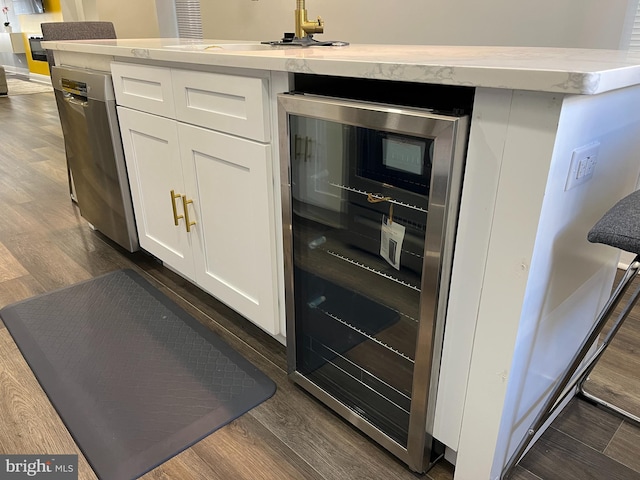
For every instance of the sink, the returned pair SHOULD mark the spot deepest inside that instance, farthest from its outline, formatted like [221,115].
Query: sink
[221,47]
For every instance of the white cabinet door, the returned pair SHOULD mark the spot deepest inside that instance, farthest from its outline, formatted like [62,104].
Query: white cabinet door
[230,181]
[153,164]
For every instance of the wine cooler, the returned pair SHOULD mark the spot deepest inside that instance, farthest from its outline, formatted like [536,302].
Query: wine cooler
[370,197]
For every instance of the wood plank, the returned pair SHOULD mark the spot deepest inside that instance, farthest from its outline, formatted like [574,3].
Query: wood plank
[93,251]
[49,265]
[186,465]
[13,222]
[616,377]
[593,426]
[624,446]
[58,213]
[25,178]
[11,192]
[19,289]
[10,267]
[520,473]
[28,422]
[616,388]
[246,450]
[559,456]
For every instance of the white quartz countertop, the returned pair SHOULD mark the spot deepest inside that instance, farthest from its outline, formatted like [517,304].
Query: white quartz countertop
[565,70]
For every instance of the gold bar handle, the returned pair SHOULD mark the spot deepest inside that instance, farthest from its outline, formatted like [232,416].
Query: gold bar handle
[174,197]
[307,148]
[296,150]
[188,222]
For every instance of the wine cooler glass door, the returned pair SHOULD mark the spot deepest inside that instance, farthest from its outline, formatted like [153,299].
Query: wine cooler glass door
[358,204]
[356,307]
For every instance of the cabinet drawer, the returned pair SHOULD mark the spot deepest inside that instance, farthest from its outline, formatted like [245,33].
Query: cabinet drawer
[228,103]
[144,88]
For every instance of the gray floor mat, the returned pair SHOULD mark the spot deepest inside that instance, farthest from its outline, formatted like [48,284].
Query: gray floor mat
[133,376]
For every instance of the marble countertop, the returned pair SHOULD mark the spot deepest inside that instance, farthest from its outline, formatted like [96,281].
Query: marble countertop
[576,71]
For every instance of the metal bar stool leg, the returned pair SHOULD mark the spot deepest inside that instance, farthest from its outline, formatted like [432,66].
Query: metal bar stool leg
[596,357]
[574,374]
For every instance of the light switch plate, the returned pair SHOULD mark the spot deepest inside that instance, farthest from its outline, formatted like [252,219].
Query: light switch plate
[583,163]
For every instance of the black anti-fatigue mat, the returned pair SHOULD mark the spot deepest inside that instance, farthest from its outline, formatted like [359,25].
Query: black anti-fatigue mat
[133,376]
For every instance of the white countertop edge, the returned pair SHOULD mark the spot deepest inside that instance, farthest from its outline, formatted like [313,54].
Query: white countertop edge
[596,74]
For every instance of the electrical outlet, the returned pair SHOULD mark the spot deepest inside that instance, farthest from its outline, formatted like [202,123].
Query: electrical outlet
[583,163]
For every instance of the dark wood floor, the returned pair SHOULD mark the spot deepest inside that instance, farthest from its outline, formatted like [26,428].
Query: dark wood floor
[45,244]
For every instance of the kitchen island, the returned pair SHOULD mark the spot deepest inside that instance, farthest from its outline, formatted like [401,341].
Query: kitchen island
[526,285]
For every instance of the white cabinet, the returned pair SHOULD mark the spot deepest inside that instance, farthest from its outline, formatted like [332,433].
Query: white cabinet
[155,173]
[203,198]
[229,179]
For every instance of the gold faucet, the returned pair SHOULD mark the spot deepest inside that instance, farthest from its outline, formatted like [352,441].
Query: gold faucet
[303,26]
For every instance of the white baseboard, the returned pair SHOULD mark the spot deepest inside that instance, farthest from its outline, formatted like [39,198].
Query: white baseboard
[36,77]
[15,70]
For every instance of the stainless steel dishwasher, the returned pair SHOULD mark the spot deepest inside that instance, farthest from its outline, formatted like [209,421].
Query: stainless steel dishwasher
[87,108]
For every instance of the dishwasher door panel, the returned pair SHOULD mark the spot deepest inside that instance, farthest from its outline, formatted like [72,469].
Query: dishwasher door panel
[96,162]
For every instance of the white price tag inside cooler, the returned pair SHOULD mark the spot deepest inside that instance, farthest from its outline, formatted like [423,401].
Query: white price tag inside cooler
[391,238]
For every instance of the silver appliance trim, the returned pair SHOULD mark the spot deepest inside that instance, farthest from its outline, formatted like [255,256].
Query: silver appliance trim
[450,135]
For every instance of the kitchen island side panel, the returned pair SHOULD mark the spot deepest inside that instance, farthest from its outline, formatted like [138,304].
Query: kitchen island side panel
[570,279]
[542,278]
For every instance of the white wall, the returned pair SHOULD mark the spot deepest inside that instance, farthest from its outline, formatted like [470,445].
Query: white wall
[553,23]
[79,10]
[131,18]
